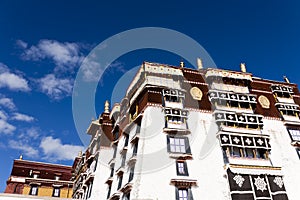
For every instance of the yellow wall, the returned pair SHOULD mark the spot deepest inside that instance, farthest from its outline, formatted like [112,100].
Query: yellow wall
[47,191]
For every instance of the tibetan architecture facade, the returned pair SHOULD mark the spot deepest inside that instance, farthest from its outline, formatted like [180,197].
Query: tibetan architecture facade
[186,134]
[38,179]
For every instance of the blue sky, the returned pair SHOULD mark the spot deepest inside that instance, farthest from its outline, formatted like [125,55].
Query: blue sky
[42,44]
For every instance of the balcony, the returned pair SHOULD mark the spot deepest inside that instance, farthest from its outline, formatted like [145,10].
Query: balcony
[175,121]
[233,101]
[173,98]
[229,88]
[238,120]
[289,112]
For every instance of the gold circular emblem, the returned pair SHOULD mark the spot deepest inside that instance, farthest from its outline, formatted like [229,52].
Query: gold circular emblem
[196,93]
[264,101]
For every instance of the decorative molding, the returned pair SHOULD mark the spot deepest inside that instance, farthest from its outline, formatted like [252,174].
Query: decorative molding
[278,180]
[239,180]
[196,93]
[260,184]
[264,101]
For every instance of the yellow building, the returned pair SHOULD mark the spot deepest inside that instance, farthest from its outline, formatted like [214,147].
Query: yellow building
[40,179]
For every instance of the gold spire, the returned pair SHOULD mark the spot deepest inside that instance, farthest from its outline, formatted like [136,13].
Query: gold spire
[106,107]
[286,79]
[243,67]
[21,157]
[80,153]
[199,64]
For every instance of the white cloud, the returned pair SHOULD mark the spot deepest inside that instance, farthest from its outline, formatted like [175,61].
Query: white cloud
[65,55]
[26,149]
[55,87]
[54,149]
[91,70]
[3,115]
[22,117]
[29,135]
[8,103]
[21,44]
[6,127]
[11,80]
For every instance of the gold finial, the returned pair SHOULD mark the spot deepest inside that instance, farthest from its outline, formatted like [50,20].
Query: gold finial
[199,64]
[286,79]
[21,157]
[181,64]
[79,153]
[243,67]
[106,107]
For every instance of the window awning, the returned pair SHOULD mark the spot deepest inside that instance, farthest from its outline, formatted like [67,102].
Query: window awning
[280,88]
[229,96]
[255,170]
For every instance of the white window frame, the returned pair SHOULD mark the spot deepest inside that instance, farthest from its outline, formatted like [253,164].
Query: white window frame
[56,192]
[295,134]
[34,190]
[183,194]
[177,145]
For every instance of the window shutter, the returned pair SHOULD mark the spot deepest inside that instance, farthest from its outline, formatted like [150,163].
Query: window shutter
[187,145]
[177,168]
[185,168]
[190,195]
[176,193]
[168,143]
[96,163]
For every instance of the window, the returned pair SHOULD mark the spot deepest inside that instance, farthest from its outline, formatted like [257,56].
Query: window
[181,167]
[295,134]
[112,171]
[126,196]
[235,151]
[89,190]
[261,153]
[123,160]
[173,95]
[176,116]
[56,192]
[33,190]
[249,153]
[108,191]
[298,151]
[135,148]
[120,181]
[126,140]
[184,194]
[178,144]
[131,175]
[115,151]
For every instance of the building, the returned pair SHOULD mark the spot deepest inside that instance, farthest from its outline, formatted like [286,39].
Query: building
[39,179]
[186,134]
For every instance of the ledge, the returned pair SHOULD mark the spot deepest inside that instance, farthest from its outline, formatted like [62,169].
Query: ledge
[183,156]
[176,131]
[183,182]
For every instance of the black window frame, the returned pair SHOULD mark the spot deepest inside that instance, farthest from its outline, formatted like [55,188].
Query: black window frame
[186,142]
[108,192]
[187,189]
[120,181]
[290,134]
[53,193]
[37,190]
[185,169]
